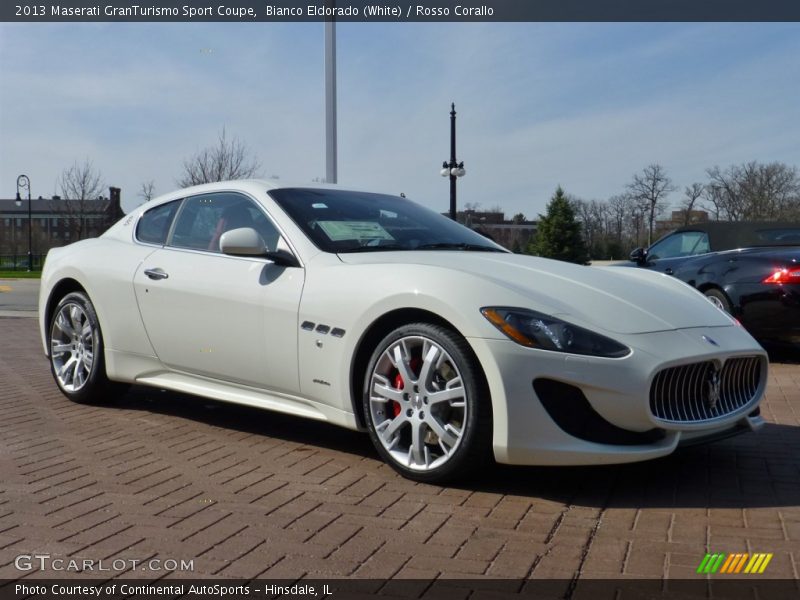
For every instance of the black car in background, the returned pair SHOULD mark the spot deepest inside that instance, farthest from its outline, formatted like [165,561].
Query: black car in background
[751,270]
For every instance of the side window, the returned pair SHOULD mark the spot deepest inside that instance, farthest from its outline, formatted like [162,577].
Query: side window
[779,236]
[702,245]
[154,224]
[264,227]
[203,219]
[685,243]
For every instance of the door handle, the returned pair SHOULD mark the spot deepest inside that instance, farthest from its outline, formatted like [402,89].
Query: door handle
[156,273]
[668,271]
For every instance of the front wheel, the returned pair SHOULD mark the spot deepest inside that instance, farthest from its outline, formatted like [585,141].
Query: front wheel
[427,404]
[76,350]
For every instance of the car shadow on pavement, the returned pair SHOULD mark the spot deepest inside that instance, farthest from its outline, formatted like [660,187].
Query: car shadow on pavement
[748,471]
[245,419]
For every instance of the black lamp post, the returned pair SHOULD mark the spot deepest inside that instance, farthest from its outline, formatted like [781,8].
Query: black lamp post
[453,169]
[25,183]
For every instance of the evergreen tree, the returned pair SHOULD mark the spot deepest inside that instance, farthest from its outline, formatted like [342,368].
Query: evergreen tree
[559,234]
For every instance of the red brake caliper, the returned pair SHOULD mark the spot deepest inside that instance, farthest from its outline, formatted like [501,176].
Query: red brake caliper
[394,407]
[415,365]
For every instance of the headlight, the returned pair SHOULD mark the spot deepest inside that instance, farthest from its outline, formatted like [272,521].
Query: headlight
[535,330]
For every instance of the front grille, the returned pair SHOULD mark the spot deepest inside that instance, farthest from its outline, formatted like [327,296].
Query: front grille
[701,391]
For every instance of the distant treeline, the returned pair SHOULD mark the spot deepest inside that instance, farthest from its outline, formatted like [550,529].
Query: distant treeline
[638,216]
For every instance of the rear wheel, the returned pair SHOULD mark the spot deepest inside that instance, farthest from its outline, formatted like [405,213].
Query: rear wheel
[426,404]
[76,351]
[718,298]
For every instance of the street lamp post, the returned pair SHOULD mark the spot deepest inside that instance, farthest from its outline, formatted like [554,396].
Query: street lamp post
[24,183]
[453,169]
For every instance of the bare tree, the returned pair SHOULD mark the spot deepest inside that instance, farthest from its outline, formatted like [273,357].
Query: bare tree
[228,159]
[650,189]
[147,190]
[754,191]
[725,193]
[691,194]
[620,212]
[771,191]
[81,189]
[593,217]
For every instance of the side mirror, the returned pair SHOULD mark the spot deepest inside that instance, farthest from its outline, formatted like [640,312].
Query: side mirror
[282,258]
[639,256]
[282,255]
[244,241]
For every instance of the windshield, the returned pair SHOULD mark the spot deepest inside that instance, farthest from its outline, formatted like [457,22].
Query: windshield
[341,221]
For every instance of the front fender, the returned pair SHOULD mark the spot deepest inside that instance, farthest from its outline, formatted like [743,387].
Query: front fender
[353,297]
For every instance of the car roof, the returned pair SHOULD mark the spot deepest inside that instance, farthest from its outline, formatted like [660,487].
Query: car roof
[253,185]
[728,235]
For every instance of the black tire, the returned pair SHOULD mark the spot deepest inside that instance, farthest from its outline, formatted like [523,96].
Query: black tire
[80,382]
[450,440]
[720,299]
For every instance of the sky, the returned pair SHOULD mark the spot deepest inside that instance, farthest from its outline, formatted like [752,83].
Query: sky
[581,105]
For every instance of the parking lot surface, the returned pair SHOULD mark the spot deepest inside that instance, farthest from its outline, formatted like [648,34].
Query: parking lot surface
[19,297]
[243,493]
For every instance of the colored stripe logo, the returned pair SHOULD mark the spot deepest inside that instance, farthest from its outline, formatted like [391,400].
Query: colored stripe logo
[728,564]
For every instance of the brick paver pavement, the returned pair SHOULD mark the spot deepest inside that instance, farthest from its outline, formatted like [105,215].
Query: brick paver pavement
[245,493]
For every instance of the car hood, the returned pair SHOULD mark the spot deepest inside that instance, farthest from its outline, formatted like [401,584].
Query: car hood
[627,301]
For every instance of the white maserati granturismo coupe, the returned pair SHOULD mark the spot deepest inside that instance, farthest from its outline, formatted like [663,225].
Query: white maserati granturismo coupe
[371,312]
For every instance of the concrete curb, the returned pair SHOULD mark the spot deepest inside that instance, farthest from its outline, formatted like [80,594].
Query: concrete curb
[19,314]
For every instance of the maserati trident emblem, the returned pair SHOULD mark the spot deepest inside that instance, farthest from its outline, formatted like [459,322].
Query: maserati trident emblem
[710,340]
[713,391]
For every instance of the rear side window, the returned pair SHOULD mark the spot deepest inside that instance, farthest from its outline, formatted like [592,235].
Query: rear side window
[154,224]
[779,236]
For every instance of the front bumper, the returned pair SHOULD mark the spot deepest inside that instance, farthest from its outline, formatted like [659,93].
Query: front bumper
[752,422]
[617,390]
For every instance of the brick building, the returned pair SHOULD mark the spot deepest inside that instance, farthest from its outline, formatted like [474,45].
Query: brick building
[509,234]
[678,218]
[55,222]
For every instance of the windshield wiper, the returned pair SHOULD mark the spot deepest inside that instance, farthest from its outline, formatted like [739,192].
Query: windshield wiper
[458,246]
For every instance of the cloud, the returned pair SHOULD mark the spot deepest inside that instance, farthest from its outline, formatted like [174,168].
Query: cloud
[581,105]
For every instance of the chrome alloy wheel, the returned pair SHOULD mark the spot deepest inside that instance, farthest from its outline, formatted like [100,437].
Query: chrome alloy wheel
[717,302]
[418,403]
[72,344]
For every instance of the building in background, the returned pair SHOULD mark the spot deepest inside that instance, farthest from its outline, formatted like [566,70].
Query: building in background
[55,222]
[678,218]
[513,235]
